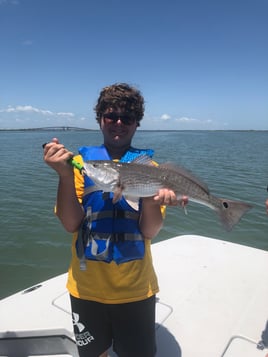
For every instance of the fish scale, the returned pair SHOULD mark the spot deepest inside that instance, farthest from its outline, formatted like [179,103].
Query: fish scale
[149,179]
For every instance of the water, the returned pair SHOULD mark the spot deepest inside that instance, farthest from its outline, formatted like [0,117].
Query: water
[34,246]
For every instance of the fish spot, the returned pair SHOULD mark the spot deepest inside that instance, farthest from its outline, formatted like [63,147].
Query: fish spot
[225,204]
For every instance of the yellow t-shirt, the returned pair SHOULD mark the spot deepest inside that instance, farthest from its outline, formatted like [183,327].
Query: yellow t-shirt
[108,282]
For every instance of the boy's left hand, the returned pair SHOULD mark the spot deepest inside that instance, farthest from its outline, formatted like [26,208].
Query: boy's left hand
[168,197]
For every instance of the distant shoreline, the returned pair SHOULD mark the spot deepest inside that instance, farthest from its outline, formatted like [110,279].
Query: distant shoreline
[70,128]
[52,128]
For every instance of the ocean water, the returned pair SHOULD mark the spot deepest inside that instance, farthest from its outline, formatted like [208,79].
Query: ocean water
[35,247]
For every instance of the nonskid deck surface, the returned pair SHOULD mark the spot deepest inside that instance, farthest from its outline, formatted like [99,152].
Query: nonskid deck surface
[212,302]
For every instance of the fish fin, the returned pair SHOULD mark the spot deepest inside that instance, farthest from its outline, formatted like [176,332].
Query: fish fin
[85,171]
[231,212]
[185,210]
[117,194]
[133,202]
[184,172]
[143,160]
[183,205]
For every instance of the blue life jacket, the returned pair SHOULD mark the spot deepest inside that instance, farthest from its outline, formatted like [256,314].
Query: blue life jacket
[110,231]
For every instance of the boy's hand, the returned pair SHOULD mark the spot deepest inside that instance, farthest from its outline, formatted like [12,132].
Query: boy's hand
[57,156]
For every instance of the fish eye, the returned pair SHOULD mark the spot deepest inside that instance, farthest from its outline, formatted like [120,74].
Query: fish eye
[225,204]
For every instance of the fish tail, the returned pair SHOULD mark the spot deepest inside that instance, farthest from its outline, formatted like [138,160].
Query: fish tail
[230,212]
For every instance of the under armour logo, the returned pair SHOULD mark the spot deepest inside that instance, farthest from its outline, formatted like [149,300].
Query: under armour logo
[76,322]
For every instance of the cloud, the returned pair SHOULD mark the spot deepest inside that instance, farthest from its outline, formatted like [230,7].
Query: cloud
[25,109]
[169,122]
[165,117]
[28,116]
[70,115]
[186,120]
[183,120]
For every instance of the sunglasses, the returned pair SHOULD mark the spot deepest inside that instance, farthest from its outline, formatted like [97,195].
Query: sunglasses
[113,117]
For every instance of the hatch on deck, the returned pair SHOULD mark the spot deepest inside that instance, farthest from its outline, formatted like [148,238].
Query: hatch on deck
[163,311]
[243,347]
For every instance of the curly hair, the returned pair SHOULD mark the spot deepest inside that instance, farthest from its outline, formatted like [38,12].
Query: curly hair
[121,96]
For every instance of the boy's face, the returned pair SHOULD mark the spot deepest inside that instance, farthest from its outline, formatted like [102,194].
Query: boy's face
[118,127]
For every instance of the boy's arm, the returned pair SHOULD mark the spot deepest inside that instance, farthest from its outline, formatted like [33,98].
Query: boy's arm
[151,220]
[68,207]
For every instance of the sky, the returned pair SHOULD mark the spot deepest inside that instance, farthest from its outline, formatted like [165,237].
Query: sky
[200,64]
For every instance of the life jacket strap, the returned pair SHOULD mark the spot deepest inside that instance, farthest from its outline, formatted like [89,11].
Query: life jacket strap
[115,237]
[118,214]
[83,238]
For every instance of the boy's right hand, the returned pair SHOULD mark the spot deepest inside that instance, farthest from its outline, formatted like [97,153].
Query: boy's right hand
[56,156]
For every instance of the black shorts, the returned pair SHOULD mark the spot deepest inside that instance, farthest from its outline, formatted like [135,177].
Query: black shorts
[129,328]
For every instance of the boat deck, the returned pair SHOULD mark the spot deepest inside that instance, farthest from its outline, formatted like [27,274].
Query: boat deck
[213,302]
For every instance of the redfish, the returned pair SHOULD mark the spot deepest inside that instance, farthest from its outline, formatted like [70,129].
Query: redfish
[141,178]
